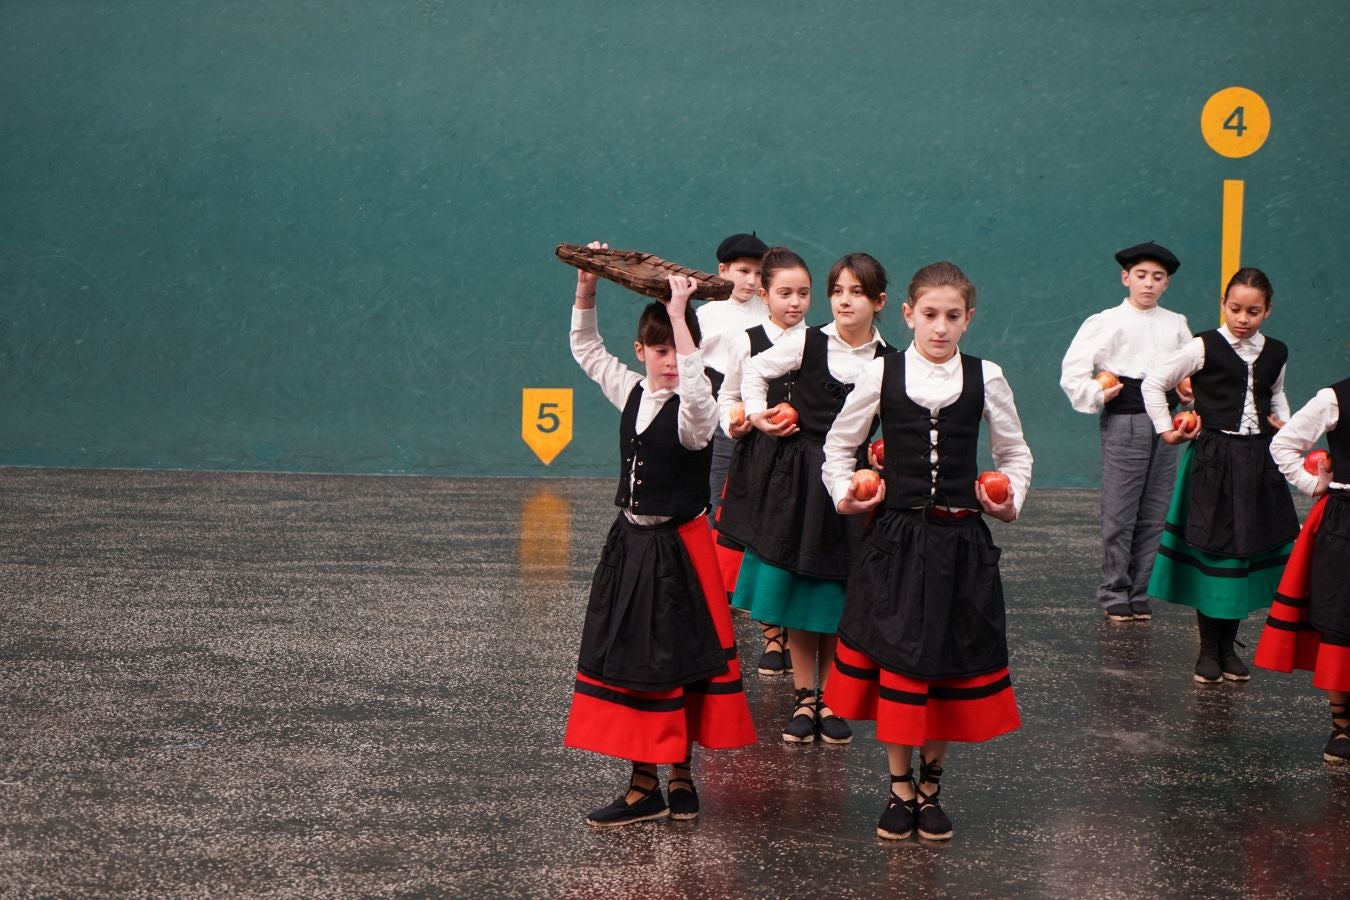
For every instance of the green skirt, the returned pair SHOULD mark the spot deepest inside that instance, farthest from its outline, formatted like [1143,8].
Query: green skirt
[780,597]
[1221,587]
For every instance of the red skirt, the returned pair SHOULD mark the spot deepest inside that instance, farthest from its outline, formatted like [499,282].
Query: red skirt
[910,711]
[1288,641]
[659,726]
[729,555]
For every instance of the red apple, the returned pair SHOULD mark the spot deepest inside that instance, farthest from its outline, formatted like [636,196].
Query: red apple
[737,413]
[783,414]
[1186,420]
[996,485]
[1315,461]
[865,484]
[878,449]
[1107,379]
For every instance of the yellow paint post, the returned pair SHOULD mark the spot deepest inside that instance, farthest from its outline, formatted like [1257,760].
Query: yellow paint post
[546,421]
[1230,254]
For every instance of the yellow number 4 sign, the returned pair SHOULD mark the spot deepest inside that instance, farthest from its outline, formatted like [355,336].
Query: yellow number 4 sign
[546,421]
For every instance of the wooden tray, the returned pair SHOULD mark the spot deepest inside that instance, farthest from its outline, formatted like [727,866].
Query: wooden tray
[642,272]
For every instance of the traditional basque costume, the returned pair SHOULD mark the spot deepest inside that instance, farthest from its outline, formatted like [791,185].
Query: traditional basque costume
[752,453]
[657,668]
[1231,522]
[1138,467]
[1309,622]
[922,642]
[798,547]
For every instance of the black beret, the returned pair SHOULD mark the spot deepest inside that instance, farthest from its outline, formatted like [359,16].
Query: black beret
[739,246]
[1156,252]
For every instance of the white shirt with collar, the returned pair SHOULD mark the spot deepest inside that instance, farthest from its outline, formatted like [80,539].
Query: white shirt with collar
[1191,359]
[720,321]
[730,394]
[1320,415]
[698,407]
[1125,340]
[932,386]
[845,363]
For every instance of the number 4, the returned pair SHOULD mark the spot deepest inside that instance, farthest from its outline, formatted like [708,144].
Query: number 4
[1234,122]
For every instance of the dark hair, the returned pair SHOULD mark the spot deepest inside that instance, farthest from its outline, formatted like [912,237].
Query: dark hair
[942,274]
[1250,276]
[776,259]
[871,274]
[654,326]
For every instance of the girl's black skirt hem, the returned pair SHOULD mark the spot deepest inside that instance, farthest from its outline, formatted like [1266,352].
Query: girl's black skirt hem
[1239,504]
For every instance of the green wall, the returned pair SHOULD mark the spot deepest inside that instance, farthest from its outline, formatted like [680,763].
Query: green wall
[318,235]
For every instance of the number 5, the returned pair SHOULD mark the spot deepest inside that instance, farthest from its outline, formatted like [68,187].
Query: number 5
[550,417]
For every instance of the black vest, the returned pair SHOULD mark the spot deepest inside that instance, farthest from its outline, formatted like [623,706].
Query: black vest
[668,479]
[1221,385]
[816,393]
[715,378]
[912,478]
[779,389]
[1338,439]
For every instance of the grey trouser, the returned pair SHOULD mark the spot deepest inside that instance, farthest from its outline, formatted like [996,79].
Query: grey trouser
[721,463]
[1139,471]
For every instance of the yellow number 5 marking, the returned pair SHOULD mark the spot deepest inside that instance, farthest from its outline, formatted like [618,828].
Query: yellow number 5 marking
[546,421]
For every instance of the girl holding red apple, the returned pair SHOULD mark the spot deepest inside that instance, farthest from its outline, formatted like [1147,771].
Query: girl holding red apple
[657,669]
[1231,522]
[1309,623]
[922,640]
[797,547]
[785,288]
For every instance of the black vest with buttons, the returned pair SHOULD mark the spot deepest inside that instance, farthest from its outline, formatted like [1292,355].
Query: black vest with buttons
[667,479]
[1338,439]
[912,478]
[1221,384]
[816,393]
[779,388]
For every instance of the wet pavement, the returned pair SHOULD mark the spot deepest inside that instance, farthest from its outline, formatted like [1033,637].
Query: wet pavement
[271,685]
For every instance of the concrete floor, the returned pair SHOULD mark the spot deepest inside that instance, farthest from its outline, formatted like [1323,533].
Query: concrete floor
[266,685]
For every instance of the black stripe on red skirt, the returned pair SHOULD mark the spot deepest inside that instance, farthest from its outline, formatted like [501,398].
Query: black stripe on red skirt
[910,711]
[1289,641]
[659,726]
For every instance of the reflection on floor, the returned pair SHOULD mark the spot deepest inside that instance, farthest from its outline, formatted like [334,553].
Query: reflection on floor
[252,684]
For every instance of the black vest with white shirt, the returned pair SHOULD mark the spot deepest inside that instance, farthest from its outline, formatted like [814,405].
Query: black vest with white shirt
[912,478]
[1221,384]
[667,479]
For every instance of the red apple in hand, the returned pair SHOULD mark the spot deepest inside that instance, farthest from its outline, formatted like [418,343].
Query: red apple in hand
[737,414]
[878,449]
[1186,420]
[865,484]
[996,485]
[782,414]
[1107,380]
[1315,460]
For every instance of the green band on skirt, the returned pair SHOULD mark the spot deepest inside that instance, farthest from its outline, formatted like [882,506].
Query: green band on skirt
[1221,587]
[785,598]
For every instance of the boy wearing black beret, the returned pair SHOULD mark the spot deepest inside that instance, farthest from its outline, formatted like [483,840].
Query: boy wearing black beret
[1101,374]
[738,260]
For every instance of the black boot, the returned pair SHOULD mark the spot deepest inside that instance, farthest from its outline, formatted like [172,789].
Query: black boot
[1337,751]
[1233,668]
[1207,668]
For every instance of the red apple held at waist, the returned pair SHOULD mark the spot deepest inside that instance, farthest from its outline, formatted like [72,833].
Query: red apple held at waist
[878,449]
[782,414]
[1185,420]
[996,485]
[1315,461]
[865,484]
[737,414]
[1107,380]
